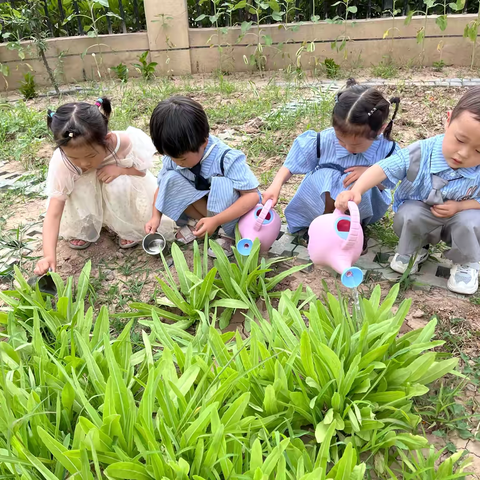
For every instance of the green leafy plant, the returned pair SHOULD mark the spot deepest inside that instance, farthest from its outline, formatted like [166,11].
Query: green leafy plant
[262,12]
[14,248]
[28,87]
[222,13]
[441,21]
[340,43]
[147,69]
[418,465]
[331,67]
[386,68]
[121,71]
[390,32]
[471,32]
[164,21]
[294,400]
[94,15]
[439,65]
[227,286]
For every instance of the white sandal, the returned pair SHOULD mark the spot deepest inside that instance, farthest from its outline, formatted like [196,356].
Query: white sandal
[226,243]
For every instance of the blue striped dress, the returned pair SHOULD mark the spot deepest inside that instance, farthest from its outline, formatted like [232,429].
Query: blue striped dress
[309,200]
[177,184]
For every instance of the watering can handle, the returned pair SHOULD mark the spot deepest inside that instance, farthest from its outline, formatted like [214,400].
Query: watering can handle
[263,214]
[355,226]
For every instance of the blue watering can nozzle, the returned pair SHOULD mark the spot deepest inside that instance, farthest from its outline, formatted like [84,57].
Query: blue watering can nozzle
[352,277]
[244,246]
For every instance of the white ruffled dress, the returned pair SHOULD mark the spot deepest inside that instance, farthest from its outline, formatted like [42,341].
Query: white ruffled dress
[124,205]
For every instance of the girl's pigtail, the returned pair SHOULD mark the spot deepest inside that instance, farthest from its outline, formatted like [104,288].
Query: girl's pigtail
[388,129]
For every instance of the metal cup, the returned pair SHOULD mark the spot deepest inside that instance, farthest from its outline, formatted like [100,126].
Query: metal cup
[154,243]
[45,284]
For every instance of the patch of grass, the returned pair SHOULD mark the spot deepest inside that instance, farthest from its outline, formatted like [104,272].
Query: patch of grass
[22,130]
[131,266]
[383,231]
[15,248]
[385,69]
[265,145]
[449,409]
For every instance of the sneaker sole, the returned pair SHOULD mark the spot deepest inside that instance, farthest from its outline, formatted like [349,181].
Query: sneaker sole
[465,291]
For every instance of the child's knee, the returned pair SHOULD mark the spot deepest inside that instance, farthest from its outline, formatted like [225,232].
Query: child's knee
[466,221]
[409,215]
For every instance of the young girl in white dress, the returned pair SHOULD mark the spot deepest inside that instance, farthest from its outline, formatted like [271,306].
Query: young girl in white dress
[96,178]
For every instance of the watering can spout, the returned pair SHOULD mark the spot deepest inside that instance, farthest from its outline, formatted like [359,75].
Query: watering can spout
[352,277]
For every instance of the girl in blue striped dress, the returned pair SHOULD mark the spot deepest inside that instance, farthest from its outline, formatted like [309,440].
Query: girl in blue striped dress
[332,160]
[204,184]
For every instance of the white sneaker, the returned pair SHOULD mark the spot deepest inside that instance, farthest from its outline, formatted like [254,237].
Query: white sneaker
[400,263]
[464,278]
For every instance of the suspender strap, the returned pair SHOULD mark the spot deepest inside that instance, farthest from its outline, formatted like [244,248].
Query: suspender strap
[318,145]
[415,155]
[391,150]
[332,166]
[222,166]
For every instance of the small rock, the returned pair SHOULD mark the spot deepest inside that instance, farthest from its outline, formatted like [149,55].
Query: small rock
[471,387]
[119,254]
[109,275]
[418,314]
[67,269]
[415,323]
[226,134]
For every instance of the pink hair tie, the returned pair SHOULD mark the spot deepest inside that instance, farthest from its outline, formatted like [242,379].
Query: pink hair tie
[99,102]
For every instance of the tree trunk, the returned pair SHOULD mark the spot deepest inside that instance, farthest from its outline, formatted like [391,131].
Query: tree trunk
[49,71]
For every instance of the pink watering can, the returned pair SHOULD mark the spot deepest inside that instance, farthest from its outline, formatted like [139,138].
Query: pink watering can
[336,241]
[261,222]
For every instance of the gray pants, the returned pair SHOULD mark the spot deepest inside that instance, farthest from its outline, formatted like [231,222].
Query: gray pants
[416,226]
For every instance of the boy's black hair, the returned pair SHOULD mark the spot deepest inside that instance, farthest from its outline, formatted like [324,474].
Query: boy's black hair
[360,110]
[470,102]
[179,125]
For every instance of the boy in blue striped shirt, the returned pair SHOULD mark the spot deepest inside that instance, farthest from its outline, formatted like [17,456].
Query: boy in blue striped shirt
[203,184]
[438,197]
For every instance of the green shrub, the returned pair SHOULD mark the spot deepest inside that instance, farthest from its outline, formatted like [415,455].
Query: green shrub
[121,71]
[147,69]
[385,69]
[332,68]
[292,401]
[439,65]
[227,286]
[28,87]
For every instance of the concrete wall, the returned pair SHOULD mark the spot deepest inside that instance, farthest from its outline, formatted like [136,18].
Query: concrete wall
[366,45]
[65,55]
[181,50]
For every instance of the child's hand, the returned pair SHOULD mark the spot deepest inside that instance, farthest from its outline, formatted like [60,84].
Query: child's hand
[447,209]
[355,173]
[347,196]
[109,173]
[206,225]
[271,193]
[44,265]
[152,225]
